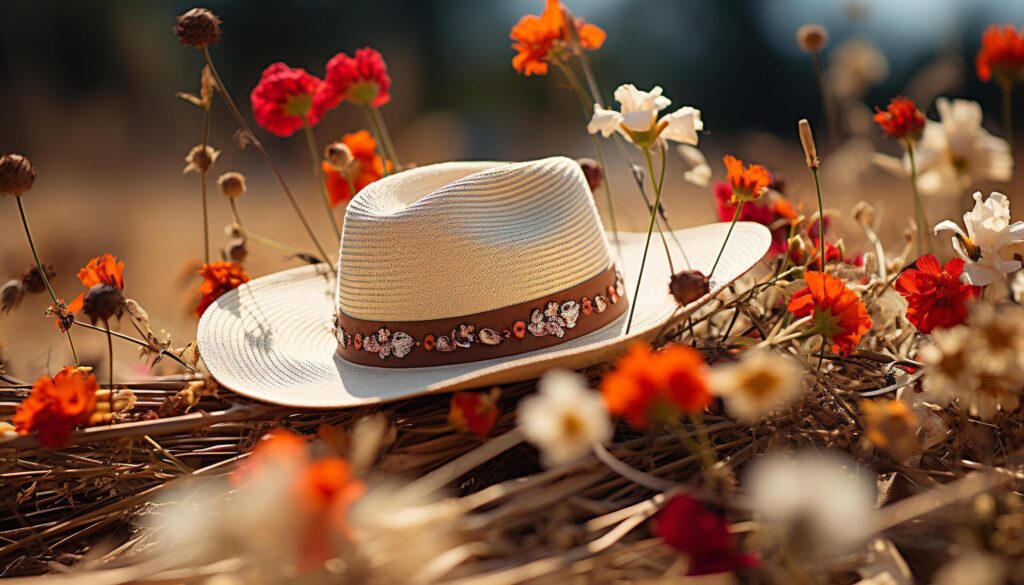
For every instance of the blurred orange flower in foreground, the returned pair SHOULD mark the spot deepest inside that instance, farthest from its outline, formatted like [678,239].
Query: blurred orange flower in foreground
[1001,55]
[219,278]
[57,405]
[105,269]
[474,412]
[535,37]
[365,168]
[837,312]
[747,183]
[655,387]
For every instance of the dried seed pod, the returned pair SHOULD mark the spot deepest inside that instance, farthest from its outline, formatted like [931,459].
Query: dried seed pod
[102,302]
[687,286]
[339,155]
[16,174]
[198,28]
[200,160]
[807,141]
[33,280]
[593,172]
[812,38]
[237,251]
[232,184]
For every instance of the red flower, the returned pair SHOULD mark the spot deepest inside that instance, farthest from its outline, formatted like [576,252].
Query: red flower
[360,80]
[838,313]
[57,405]
[901,119]
[776,215]
[474,412]
[935,296]
[535,37]
[1001,54]
[105,269]
[284,97]
[653,387]
[219,278]
[702,535]
[747,183]
[365,168]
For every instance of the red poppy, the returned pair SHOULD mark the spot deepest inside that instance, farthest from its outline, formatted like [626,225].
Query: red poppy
[748,183]
[219,278]
[535,37]
[362,79]
[702,535]
[57,405]
[935,296]
[365,168]
[474,412]
[105,269]
[901,119]
[837,312]
[652,387]
[1001,54]
[286,96]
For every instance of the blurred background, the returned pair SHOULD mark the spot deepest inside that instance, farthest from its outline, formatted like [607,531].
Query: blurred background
[88,91]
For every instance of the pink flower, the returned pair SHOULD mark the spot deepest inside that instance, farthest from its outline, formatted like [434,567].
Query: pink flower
[284,97]
[362,79]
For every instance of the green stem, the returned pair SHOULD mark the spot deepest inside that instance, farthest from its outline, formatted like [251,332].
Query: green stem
[647,245]
[657,189]
[735,217]
[923,242]
[821,221]
[138,342]
[375,129]
[318,174]
[42,271]
[386,135]
[255,142]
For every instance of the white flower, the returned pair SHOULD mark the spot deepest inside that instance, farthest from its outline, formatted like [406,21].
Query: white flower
[761,382]
[954,152]
[990,240]
[637,118]
[948,371]
[822,505]
[565,418]
[699,173]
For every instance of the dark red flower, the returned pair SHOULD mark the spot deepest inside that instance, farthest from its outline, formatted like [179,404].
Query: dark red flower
[284,97]
[935,296]
[1001,55]
[838,313]
[219,278]
[362,79]
[901,119]
[702,535]
[474,412]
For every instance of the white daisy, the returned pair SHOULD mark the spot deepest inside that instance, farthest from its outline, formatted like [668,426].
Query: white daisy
[565,418]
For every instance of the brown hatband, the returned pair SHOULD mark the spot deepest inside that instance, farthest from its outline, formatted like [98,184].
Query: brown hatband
[524,327]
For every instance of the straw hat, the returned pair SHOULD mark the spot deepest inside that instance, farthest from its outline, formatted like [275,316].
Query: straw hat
[453,276]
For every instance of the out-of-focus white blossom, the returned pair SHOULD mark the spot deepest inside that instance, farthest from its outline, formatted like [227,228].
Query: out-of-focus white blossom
[761,382]
[854,67]
[699,171]
[565,418]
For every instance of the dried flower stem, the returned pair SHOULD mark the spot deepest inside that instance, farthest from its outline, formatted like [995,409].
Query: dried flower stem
[318,173]
[385,134]
[923,241]
[375,129]
[202,182]
[42,271]
[138,342]
[735,218]
[230,102]
[249,235]
[826,100]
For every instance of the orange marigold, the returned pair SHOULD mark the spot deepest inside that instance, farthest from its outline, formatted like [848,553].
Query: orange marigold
[654,387]
[219,278]
[838,314]
[1001,55]
[57,405]
[748,184]
[105,269]
[535,38]
[365,168]
[474,412]
[901,119]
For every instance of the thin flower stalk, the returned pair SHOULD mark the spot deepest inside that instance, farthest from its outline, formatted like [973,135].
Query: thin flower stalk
[647,241]
[385,134]
[318,175]
[247,234]
[255,142]
[923,238]
[202,185]
[42,270]
[138,342]
[732,224]
[371,119]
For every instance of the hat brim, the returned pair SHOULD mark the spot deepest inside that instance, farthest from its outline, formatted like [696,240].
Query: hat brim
[272,340]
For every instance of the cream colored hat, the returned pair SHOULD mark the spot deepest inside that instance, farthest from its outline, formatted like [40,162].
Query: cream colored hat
[453,276]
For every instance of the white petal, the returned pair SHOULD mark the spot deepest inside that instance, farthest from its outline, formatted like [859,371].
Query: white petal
[607,122]
[699,175]
[948,225]
[683,125]
[980,275]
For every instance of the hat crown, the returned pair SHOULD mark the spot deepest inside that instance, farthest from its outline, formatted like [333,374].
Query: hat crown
[456,239]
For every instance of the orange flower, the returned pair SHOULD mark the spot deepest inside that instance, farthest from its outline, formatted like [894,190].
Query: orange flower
[537,39]
[655,387]
[219,278]
[748,183]
[837,312]
[105,269]
[901,119]
[474,412]
[365,168]
[57,405]
[1001,54]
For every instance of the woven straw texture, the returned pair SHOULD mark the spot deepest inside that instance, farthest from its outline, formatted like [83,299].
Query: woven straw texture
[459,238]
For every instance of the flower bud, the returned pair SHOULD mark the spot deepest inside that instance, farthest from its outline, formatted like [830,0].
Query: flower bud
[593,172]
[237,251]
[339,155]
[200,160]
[687,286]
[102,302]
[807,141]
[812,38]
[864,213]
[232,184]
[198,28]
[16,174]
[33,280]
